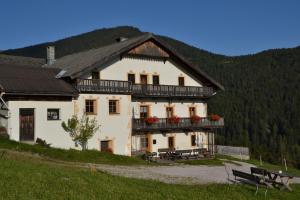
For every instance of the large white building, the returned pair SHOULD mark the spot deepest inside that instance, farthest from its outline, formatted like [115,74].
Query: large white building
[143,94]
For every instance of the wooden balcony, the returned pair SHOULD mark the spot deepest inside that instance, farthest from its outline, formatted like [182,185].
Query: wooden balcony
[103,86]
[171,91]
[142,91]
[185,125]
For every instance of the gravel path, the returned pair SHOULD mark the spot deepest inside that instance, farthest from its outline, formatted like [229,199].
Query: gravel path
[180,174]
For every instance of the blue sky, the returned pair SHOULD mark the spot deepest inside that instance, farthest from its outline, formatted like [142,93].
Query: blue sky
[230,27]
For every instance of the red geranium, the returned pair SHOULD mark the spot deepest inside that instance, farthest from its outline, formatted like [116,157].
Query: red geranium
[214,117]
[152,120]
[195,119]
[174,120]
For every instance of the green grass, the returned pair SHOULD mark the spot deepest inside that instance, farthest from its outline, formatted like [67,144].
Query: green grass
[266,165]
[88,156]
[32,178]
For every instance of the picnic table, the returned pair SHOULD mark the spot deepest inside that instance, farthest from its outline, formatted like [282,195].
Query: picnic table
[272,176]
[285,179]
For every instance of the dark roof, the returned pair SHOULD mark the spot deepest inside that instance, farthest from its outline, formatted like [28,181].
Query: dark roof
[21,61]
[25,80]
[78,64]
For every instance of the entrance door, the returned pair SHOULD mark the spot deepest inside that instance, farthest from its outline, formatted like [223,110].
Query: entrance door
[171,144]
[27,124]
[144,80]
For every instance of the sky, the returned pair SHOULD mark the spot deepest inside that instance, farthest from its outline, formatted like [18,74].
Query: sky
[228,27]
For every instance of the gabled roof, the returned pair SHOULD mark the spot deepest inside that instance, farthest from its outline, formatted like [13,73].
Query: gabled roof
[21,61]
[79,64]
[26,80]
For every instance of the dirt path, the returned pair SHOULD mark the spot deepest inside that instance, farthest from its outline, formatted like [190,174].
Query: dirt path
[184,174]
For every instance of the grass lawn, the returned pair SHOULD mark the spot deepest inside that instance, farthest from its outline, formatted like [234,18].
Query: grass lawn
[89,156]
[23,178]
[291,170]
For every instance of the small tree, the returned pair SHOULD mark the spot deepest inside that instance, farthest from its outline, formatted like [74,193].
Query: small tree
[81,130]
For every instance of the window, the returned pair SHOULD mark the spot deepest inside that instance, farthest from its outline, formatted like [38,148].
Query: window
[193,140]
[144,143]
[131,77]
[192,111]
[154,141]
[106,146]
[53,114]
[171,142]
[144,79]
[113,106]
[181,81]
[95,75]
[144,112]
[170,112]
[90,107]
[155,79]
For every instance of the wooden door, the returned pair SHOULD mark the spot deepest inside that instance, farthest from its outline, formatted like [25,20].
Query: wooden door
[27,124]
[106,146]
[144,79]
[171,142]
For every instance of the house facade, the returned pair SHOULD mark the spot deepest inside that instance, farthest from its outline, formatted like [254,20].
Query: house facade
[143,94]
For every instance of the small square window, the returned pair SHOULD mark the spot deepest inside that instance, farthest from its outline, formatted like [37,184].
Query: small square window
[154,141]
[95,75]
[181,81]
[53,114]
[113,106]
[90,107]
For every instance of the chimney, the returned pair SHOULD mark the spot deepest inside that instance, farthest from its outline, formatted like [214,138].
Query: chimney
[50,55]
[121,39]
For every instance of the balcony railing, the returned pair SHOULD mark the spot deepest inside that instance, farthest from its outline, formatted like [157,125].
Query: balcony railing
[103,86]
[184,124]
[139,90]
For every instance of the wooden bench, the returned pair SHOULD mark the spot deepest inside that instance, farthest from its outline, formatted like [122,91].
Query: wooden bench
[250,179]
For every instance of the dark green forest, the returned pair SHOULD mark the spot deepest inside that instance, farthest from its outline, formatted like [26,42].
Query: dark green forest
[261,101]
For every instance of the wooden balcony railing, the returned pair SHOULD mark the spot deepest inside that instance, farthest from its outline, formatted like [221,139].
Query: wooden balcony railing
[184,124]
[103,86]
[141,91]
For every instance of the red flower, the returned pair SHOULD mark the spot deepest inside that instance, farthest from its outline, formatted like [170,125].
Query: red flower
[151,120]
[214,117]
[195,119]
[174,120]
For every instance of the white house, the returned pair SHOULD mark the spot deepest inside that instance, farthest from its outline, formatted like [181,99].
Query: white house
[143,94]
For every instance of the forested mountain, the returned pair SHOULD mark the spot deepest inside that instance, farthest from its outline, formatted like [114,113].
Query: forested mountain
[261,101]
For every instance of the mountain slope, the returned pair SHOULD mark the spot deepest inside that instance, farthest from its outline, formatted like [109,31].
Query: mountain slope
[261,101]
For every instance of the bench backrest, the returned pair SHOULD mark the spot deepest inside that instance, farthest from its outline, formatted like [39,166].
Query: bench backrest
[260,171]
[166,149]
[245,175]
[183,151]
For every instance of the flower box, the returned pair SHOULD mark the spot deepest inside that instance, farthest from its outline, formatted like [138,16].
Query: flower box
[214,117]
[174,120]
[151,120]
[195,119]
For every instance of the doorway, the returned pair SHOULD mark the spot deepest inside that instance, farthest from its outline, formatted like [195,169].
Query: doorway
[26,124]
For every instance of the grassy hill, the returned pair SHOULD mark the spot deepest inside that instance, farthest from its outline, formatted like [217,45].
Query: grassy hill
[25,176]
[261,103]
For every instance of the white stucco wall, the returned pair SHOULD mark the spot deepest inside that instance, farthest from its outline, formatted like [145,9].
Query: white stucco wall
[116,127]
[48,130]
[168,71]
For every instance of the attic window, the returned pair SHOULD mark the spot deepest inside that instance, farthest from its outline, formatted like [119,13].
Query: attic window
[95,75]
